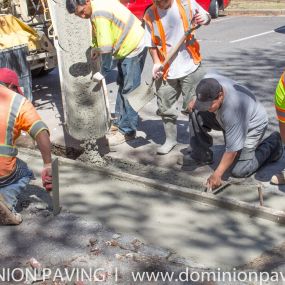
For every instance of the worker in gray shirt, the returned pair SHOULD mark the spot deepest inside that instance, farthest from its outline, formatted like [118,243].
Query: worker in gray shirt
[223,104]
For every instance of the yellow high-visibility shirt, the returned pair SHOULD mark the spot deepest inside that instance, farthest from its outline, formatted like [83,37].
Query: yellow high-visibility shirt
[115,29]
[280,99]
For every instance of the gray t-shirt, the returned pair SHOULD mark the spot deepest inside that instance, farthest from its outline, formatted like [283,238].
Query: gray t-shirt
[242,117]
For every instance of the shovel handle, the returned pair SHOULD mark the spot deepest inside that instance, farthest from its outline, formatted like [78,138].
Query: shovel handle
[174,50]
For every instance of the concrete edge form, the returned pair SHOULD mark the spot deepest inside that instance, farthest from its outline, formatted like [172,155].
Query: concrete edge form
[266,213]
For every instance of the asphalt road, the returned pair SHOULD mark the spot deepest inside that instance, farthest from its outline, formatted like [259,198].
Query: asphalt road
[249,49]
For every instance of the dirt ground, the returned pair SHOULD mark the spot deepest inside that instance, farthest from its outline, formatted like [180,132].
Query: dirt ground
[256,4]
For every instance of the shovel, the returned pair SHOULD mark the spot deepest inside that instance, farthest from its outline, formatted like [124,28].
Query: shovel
[140,96]
[98,90]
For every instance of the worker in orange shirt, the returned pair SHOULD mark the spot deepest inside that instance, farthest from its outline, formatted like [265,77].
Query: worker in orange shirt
[17,114]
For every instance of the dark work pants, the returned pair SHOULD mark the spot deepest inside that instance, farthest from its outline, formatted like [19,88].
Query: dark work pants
[247,161]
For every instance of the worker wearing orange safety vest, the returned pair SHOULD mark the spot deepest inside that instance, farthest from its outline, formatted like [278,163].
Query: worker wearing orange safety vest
[18,114]
[166,22]
[279,100]
[118,32]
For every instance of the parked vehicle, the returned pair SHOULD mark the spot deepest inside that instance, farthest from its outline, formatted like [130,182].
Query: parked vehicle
[213,6]
[138,7]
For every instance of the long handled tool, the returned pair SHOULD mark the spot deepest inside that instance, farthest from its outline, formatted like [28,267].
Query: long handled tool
[102,122]
[140,96]
[98,77]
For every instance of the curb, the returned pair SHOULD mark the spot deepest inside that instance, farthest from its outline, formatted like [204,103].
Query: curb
[256,12]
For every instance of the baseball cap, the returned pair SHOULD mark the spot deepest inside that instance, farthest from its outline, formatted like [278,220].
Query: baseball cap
[207,91]
[9,76]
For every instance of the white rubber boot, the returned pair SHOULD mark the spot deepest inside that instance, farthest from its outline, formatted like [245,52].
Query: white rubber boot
[170,129]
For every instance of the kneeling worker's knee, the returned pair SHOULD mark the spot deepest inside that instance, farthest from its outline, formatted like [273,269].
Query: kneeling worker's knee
[240,171]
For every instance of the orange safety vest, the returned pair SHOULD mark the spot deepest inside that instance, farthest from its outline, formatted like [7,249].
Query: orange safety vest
[152,19]
[16,114]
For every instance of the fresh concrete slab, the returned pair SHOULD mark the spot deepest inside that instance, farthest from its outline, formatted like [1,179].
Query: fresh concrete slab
[205,234]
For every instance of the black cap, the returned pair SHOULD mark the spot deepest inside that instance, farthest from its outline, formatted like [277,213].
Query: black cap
[207,91]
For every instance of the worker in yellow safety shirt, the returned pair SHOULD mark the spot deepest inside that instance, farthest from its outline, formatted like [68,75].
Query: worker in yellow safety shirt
[279,178]
[118,32]
[17,114]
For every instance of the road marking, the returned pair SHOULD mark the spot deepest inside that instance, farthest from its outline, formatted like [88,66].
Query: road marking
[223,19]
[254,36]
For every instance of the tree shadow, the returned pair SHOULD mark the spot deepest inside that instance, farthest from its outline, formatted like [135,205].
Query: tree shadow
[163,220]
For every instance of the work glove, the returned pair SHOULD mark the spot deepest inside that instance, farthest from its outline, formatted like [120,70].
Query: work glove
[157,71]
[201,18]
[94,53]
[47,178]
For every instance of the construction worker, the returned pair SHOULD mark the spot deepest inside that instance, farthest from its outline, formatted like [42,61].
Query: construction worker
[223,104]
[166,22]
[279,178]
[17,114]
[118,32]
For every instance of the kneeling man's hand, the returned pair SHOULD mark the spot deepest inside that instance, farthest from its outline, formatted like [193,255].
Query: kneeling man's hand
[214,181]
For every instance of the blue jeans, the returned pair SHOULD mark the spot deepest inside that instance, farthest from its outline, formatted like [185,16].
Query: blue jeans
[129,78]
[106,63]
[11,191]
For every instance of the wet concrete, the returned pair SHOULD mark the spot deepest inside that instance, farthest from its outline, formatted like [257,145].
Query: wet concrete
[207,235]
[83,99]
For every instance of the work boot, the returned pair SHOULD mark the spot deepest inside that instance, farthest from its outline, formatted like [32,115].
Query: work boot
[270,150]
[279,178]
[116,138]
[188,160]
[7,216]
[171,137]
[278,151]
